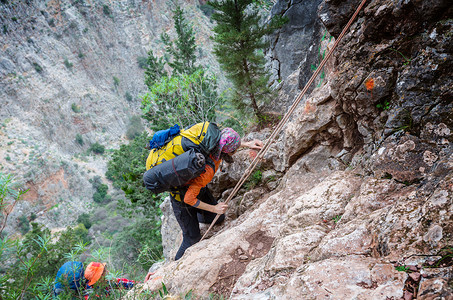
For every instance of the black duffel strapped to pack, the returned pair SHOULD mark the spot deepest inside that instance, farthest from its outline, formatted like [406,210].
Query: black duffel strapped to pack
[175,172]
[181,159]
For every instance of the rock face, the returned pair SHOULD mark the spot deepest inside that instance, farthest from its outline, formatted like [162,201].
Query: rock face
[295,47]
[70,77]
[363,201]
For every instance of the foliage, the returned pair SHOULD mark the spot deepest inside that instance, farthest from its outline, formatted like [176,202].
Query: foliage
[128,96]
[402,268]
[10,194]
[97,148]
[140,241]
[125,170]
[235,124]
[37,257]
[79,139]
[135,127]
[254,180]
[116,81]
[183,48]
[26,264]
[206,9]
[154,69]
[265,5]
[75,108]
[385,105]
[183,99]
[142,62]
[406,60]
[100,196]
[85,220]
[337,218]
[24,224]
[163,292]
[68,64]
[187,95]
[37,67]
[239,43]
[446,254]
[107,11]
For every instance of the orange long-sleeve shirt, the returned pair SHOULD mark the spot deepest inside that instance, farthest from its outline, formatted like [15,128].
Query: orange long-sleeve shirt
[195,185]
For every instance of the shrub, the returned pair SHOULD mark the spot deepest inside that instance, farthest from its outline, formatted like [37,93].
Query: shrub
[97,197]
[100,196]
[75,108]
[128,96]
[81,233]
[102,190]
[142,62]
[97,148]
[254,180]
[68,64]
[37,67]
[32,216]
[206,9]
[107,11]
[85,220]
[116,81]
[79,139]
[135,127]
[24,225]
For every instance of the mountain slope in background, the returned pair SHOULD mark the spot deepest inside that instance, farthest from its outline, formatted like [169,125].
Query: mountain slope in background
[70,77]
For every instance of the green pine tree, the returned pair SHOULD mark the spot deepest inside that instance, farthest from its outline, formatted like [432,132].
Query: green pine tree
[154,69]
[239,44]
[184,47]
[189,94]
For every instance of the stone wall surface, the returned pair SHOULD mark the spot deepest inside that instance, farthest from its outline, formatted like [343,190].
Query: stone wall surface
[363,196]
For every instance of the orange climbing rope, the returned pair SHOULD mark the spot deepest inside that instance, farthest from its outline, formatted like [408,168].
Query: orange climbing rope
[280,125]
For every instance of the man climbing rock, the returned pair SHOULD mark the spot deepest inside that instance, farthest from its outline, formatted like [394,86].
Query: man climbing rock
[194,203]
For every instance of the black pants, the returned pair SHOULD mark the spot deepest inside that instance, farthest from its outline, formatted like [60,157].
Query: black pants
[189,218]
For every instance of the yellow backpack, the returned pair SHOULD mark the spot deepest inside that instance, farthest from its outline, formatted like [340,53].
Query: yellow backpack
[182,158]
[205,135]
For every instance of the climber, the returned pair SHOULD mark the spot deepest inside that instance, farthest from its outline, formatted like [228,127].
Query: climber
[71,277]
[198,204]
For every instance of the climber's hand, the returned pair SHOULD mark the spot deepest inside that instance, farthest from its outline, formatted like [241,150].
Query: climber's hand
[220,208]
[148,276]
[255,144]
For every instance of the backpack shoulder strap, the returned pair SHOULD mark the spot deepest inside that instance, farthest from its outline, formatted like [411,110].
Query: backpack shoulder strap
[206,135]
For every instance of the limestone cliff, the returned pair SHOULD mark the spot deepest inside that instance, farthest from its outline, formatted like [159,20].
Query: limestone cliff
[70,77]
[356,195]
